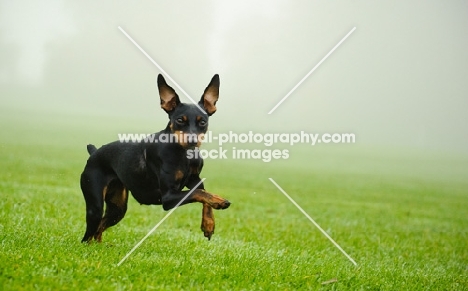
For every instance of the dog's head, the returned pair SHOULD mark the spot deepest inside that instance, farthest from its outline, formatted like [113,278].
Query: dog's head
[188,122]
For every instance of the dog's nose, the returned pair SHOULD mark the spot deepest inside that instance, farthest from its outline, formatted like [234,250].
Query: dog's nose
[226,204]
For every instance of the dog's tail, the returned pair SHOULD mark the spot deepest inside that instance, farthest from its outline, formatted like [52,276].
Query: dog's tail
[91,149]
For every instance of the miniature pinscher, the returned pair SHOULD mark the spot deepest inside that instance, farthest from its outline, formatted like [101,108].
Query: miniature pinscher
[154,172]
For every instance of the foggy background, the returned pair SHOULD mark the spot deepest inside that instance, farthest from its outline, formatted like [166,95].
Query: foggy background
[400,79]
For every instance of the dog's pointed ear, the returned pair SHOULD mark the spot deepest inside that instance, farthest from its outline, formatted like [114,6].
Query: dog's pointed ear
[169,98]
[210,96]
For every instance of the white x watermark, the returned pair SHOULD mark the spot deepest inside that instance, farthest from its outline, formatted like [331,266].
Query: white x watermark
[271,111]
[313,69]
[313,221]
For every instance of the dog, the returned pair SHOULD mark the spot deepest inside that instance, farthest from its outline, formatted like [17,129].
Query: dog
[154,172]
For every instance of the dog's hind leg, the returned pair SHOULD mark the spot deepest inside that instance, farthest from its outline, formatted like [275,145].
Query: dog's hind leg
[116,198]
[93,184]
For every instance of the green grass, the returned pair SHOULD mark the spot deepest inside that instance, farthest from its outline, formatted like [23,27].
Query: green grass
[402,215]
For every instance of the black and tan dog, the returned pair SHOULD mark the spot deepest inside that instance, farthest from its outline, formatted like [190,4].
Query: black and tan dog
[154,172]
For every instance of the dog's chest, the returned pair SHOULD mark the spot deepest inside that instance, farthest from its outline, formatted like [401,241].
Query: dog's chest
[181,176]
[185,173]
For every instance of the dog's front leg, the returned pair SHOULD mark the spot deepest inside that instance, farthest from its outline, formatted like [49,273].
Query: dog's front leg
[208,222]
[171,198]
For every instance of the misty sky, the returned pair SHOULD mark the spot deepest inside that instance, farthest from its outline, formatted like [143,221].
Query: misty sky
[400,79]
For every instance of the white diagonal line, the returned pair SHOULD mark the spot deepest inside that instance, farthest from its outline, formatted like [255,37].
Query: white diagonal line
[313,221]
[159,223]
[161,69]
[313,69]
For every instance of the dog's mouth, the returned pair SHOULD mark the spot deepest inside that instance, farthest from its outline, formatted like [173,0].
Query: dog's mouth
[187,141]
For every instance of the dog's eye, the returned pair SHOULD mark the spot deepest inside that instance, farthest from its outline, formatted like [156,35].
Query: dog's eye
[180,120]
[202,123]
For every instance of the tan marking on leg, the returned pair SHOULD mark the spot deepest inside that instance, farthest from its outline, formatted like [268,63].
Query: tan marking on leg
[213,200]
[104,193]
[208,222]
[120,197]
[117,196]
[179,175]
[98,234]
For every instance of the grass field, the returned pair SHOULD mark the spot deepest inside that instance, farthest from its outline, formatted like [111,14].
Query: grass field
[402,215]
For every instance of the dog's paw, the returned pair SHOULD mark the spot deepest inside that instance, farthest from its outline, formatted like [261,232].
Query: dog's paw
[208,226]
[208,222]
[218,202]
